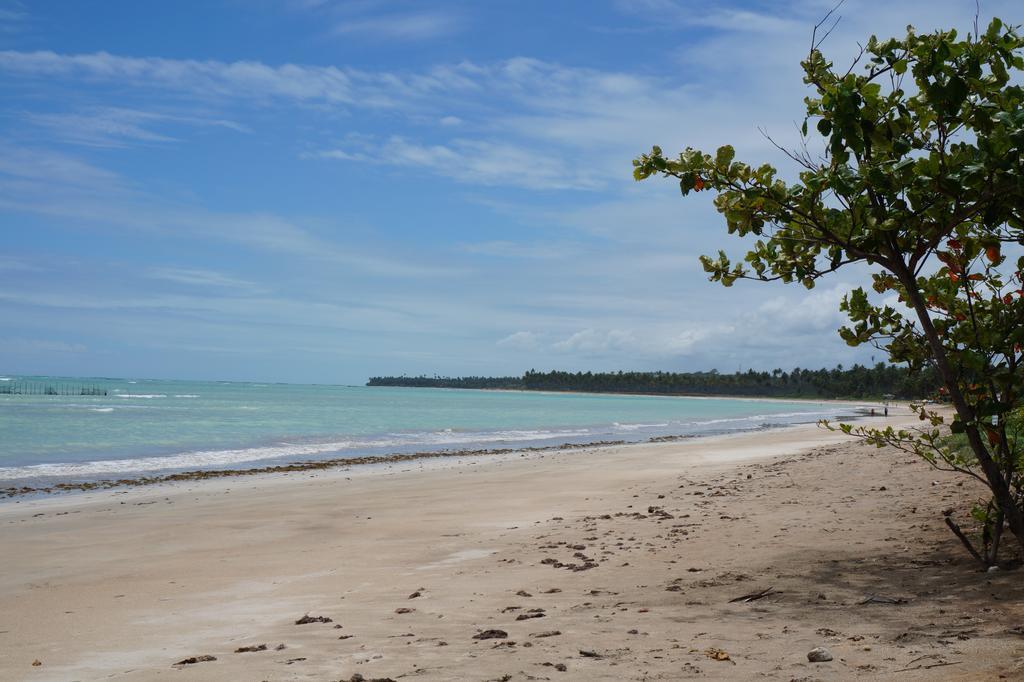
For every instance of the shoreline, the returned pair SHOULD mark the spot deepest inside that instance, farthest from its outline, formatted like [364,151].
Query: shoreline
[621,563]
[697,396]
[75,486]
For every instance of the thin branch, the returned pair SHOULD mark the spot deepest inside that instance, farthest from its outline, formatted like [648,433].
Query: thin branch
[815,42]
[793,156]
[856,60]
[963,538]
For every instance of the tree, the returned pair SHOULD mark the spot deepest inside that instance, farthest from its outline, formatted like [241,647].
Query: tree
[921,178]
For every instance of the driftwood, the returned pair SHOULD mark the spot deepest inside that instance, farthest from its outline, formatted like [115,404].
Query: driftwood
[928,667]
[753,596]
[966,542]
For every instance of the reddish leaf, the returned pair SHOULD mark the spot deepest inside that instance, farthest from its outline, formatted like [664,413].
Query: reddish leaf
[698,184]
[949,260]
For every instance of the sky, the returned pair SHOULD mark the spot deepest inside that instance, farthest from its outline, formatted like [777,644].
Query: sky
[322,191]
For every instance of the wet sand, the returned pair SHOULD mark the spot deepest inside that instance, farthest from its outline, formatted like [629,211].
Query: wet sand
[616,563]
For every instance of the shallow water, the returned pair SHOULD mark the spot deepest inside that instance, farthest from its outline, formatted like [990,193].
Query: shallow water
[152,425]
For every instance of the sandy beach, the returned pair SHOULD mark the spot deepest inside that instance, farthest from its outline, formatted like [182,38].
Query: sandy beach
[618,563]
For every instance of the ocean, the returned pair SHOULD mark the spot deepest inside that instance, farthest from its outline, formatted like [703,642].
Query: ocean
[144,427]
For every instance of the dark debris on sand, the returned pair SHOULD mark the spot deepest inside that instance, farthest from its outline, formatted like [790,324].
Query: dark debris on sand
[205,474]
[196,659]
[491,634]
[249,649]
[313,619]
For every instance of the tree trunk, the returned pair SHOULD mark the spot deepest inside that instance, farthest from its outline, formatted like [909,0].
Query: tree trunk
[997,482]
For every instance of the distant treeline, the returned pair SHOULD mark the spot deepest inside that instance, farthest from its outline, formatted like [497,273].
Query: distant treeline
[449,382]
[857,382]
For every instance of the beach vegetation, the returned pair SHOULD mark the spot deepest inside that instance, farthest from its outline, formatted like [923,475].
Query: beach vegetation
[855,382]
[910,164]
[424,381]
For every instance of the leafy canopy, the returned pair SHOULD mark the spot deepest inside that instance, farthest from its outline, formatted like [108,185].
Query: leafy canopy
[922,177]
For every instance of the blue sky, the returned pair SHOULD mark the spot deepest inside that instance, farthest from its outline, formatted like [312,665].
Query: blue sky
[309,190]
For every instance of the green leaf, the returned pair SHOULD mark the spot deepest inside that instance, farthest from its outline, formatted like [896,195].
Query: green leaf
[918,169]
[724,155]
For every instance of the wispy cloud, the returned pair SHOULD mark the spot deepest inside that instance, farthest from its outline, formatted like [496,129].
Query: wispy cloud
[522,122]
[8,264]
[102,128]
[556,255]
[13,16]
[394,20]
[203,278]
[118,126]
[245,79]
[53,168]
[521,341]
[415,26]
[61,185]
[20,346]
[533,251]
[491,163]
[673,14]
[479,162]
[530,80]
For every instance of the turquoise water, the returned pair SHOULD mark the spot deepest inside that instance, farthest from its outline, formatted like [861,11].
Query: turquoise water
[151,425]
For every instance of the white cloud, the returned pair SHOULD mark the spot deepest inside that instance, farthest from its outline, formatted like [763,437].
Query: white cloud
[540,124]
[815,311]
[650,343]
[201,278]
[536,124]
[8,264]
[681,343]
[417,26]
[118,126]
[636,295]
[62,186]
[672,14]
[250,81]
[54,169]
[13,17]
[535,251]
[525,341]
[18,346]
[274,311]
[244,79]
[478,162]
[595,342]
[338,155]
[98,129]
